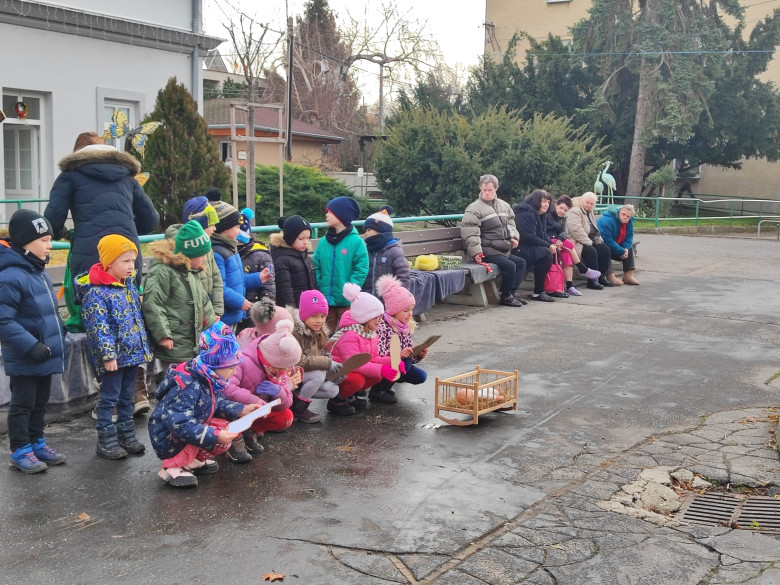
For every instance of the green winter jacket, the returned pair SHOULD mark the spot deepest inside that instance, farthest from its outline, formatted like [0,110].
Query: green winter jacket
[335,265]
[175,304]
[210,277]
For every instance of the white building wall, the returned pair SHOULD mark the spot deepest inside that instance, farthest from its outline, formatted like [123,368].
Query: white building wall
[170,13]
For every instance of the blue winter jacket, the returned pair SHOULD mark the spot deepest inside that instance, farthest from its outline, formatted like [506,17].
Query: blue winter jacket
[609,226]
[187,400]
[28,314]
[235,281]
[113,320]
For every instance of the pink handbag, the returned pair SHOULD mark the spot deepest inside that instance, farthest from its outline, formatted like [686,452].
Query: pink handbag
[555,281]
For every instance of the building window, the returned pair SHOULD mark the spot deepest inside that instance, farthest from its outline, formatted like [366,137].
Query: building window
[226,151]
[22,148]
[132,104]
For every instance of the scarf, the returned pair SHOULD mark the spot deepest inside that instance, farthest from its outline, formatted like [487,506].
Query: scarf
[379,241]
[396,325]
[356,327]
[32,258]
[333,237]
[205,370]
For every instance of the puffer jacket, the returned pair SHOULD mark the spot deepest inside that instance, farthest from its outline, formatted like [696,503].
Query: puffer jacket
[113,321]
[338,264]
[352,342]
[294,271]
[234,280]
[97,185]
[487,227]
[555,227]
[388,260]
[578,222]
[187,400]
[175,303]
[255,257]
[312,343]
[28,315]
[209,276]
[242,385]
[609,226]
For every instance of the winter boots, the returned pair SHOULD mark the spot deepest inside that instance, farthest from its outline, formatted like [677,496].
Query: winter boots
[250,440]
[381,393]
[125,432]
[108,443]
[301,412]
[237,452]
[141,399]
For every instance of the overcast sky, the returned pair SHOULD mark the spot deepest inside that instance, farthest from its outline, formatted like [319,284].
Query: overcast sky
[457,25]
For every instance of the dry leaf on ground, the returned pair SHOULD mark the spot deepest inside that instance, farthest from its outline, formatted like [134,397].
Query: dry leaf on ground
[273,577]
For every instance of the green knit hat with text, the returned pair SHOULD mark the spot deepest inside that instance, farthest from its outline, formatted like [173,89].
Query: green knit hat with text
[192,241]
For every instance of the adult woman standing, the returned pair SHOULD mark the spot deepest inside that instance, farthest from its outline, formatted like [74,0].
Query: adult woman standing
[581,225]
[489,232]
[98,187]
[617,229]
[535,247]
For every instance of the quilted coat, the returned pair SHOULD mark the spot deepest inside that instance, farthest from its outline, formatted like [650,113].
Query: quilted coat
[352,342]
[249,374]
[294,271]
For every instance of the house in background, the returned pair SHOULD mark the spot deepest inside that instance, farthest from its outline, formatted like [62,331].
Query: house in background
[216,72]
[758,178]
[308,142]
[72,64]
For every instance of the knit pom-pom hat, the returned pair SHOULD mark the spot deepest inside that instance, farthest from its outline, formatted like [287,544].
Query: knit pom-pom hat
[245,235]
[363,306]
[280,349]
[380,221]
[265,315]
[394,295]
[218,347]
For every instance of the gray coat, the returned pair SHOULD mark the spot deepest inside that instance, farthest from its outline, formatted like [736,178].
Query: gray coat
[487,228]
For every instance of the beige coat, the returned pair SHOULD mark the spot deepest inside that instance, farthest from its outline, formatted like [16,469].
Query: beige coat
[578,226]
[311,343]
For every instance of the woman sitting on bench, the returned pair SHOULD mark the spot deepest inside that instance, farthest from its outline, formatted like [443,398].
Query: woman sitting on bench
[581,224]
[535,247]
[617,229]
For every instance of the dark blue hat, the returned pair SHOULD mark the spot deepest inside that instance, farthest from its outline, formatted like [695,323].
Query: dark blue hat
[344,208]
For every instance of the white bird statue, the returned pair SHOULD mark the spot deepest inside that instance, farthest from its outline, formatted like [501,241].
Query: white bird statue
[609,181]
[598,186]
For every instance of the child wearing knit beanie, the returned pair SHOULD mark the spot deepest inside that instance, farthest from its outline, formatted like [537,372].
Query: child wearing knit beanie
[188,427]
[385,253]
[357,334]
[341,256]
[264,315]
[255,257]
[268,371]
[313,335]
[397,320]
[116,336]
[293,264]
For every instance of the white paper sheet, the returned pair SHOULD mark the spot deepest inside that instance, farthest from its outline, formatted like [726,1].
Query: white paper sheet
[241,424]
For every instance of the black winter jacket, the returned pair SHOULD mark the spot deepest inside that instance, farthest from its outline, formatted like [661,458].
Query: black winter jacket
[293,270]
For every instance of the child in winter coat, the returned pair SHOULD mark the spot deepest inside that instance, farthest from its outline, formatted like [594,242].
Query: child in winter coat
[187,427]
[236,282]
[265,315]
[312,335]
[176,307]
[199,209]
[385,254]
[31,338]
[255,257]
[340,257]
[267,372]
[117,340]
[357,334]
[291,253]
[397,320]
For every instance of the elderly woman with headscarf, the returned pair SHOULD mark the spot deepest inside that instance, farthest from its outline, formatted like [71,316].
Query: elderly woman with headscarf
[489,233]
[595,254]
[617,229]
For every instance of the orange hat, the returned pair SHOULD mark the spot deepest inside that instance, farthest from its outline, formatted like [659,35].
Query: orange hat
[112,247]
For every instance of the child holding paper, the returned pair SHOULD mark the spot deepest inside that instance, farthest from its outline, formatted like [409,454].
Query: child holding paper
[266,372]
[187,427]
[357,334]
[397,320]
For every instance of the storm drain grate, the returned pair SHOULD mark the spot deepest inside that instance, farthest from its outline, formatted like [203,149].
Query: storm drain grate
[750,513]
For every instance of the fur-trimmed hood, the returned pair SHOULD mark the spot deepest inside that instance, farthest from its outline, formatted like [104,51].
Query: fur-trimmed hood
[277,241]
[163,251]
[99,154]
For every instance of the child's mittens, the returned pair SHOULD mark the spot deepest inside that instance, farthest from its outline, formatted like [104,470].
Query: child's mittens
[335,367]
[268,388]
[40,352]
[402,367]
[389,373]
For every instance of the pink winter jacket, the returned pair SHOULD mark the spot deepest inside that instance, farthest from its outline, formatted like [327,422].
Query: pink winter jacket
[249,373]
[351,342]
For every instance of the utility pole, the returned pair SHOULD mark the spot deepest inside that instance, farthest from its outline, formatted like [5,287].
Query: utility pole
[288,131]
[381,98]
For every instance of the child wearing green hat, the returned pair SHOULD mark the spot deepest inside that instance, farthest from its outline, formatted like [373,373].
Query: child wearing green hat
[176,306]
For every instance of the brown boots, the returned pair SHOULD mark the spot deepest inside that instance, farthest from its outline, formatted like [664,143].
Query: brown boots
[628,278]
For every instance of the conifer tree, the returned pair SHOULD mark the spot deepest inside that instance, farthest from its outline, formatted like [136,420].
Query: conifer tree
[181,157]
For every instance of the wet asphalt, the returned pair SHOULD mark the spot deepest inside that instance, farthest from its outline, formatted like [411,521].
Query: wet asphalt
[395,495]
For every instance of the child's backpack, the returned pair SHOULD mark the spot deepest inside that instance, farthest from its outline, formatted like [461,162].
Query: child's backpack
[555,281]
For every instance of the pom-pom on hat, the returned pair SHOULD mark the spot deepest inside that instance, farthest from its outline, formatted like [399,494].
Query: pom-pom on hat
[218,348]
[380,221]
[280,349]
[112,247]
[192,241]
[394,295]
[363,306]
[292,227]
[245,235]
[345,209]
[265,315]
[311,303]
[199,209]
[26,226]
[228,216]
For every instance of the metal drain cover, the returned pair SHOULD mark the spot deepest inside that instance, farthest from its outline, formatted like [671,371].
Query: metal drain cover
[748,513]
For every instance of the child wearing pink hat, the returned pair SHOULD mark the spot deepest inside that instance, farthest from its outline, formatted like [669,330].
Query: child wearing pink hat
[357,334]
[397,320]
[313,335]
[268,371]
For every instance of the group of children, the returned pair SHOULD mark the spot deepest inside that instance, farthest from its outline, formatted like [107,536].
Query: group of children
[194,298]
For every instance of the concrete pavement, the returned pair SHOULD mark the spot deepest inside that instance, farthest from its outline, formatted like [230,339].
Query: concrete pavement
[675,373]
